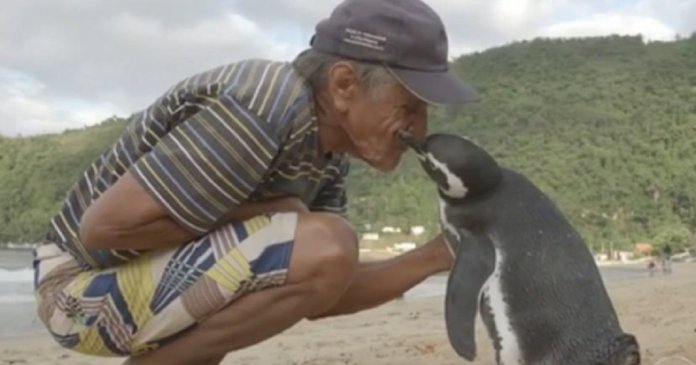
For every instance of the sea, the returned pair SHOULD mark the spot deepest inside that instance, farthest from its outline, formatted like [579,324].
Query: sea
[18,306]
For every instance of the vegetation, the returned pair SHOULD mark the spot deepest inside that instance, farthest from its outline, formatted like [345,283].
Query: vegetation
[606,126]
[36,173]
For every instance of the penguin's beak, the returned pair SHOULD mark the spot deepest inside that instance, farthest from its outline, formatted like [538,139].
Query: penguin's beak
[410,140]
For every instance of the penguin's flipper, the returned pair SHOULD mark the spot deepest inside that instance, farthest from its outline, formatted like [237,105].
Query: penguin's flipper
[474,263]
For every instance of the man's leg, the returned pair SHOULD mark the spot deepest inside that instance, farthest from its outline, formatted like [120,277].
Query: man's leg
[324,259]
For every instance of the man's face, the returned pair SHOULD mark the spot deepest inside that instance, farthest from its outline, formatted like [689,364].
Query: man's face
[374,118]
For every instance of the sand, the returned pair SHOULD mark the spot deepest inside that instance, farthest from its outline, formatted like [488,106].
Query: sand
[660,311]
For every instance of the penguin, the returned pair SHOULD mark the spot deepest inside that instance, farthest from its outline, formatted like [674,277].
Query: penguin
[519,263]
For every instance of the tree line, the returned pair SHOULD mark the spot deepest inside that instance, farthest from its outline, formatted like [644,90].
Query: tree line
[605,125]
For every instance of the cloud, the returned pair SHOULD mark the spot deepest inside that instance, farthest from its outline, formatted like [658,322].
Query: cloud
[25,109]
[471,24]
[124,53]
[101,57]
[475,25]
[98,58]
[604,24]
[679,14]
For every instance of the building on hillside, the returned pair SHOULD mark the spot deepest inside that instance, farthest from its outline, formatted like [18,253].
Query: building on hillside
[404,246]
[417,230]
[643,249]
[370,236]
[623,256]
[389,229]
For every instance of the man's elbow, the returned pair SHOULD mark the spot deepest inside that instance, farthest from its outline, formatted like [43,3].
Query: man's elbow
[95,231]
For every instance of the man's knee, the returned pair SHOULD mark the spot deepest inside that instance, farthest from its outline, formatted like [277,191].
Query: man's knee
[326,251]
[330,235]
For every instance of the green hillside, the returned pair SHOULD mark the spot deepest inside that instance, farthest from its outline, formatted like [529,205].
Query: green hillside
[36,172]
[606,126]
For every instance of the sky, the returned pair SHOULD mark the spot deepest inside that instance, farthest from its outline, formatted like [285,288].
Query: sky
[65,64]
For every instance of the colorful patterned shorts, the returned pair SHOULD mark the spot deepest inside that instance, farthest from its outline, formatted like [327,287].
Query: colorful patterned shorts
[137,307]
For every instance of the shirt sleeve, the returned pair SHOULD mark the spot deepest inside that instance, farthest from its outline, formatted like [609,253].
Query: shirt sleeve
[332,197]
[209,163]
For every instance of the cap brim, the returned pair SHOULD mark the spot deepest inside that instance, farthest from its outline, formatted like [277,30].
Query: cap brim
[443,88]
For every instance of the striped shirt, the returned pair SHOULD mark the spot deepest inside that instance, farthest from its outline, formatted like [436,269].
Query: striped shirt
[244,131]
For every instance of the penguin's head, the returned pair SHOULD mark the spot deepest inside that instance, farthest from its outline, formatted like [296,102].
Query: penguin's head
[458,166]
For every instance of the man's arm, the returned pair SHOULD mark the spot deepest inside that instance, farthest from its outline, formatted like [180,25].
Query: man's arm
[378,282]
[127,217]
[142,223]
[381,281]
[196,178]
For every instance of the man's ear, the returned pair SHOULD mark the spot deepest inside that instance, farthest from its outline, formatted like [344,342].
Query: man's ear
[343,85]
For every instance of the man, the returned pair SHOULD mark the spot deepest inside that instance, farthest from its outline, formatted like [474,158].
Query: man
[217,219]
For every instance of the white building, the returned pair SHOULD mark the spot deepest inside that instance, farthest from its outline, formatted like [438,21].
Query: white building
[417,230]
[389,229]
[404,246]
[370,236]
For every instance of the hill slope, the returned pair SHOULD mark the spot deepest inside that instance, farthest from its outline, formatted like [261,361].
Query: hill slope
[606,126]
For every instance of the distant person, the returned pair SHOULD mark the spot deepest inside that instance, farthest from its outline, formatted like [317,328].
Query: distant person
[651,266]
[217,220]
[667,259]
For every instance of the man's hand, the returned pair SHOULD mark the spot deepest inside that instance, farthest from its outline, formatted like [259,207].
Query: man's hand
[442,252]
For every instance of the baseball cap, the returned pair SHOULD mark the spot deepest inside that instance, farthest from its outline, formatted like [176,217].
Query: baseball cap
[406,36]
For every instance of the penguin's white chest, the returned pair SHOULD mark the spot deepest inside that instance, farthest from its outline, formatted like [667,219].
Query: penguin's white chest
[493,292]
[447,226]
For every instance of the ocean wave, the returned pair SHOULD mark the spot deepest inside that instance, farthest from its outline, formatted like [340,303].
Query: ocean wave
[16,276]
[16,299]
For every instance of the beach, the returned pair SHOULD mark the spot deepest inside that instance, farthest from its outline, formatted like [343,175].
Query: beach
[659,310]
